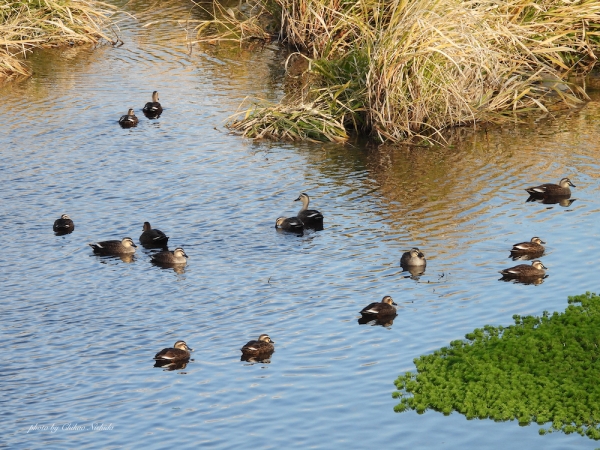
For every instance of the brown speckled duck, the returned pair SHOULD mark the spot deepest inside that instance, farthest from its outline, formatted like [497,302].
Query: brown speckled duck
[536,269]
[384,308]
[179,351]
[291,224]
[124,246]
[528,248]
[177,256]
[128,120]
[311,218]
[64,225]
[414,257]
[262,346]
[552,190]
[153,110]
[151,237]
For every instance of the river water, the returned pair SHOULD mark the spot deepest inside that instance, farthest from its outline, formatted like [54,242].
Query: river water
[80,331]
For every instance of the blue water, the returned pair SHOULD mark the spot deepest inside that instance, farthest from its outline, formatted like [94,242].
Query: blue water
[80,331]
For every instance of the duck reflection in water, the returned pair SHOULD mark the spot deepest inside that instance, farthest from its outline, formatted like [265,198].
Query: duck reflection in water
[171,365]
[415,271]
[561,201]
[379,313]
[127,258]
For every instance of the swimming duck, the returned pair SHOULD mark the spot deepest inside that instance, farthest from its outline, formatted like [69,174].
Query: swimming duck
[151,237]
[525,248]
[63,225]
[291,224]
[386,307]
[123,246]
[177,256]
[414,257]
[311,218]
[129,120]
[262,346]
[153,110]
[179,351]
[551,190]
[536,269]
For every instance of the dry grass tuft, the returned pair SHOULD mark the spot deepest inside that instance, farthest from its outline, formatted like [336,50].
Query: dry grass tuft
[410,69]
[29,24]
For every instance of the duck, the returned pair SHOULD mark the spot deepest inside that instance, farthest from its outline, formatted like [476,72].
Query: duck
[552,190]
[536,269]
[386,307]
[129,120]
[291,224]
[63,225]
[311,218]
[153,110]
[525,248]
[414,257]
[262,346]
[124,246]
[151,237]
[177,256]
[178,352]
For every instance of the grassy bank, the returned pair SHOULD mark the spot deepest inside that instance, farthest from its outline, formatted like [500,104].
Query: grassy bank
[409,69]
[29,24]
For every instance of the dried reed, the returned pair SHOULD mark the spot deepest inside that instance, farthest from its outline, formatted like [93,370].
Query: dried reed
[29,24]
[410,69]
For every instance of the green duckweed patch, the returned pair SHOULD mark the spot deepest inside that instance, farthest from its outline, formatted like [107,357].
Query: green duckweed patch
[541,369]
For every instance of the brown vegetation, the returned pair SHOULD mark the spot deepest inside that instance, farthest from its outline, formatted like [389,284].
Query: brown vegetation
[29,24]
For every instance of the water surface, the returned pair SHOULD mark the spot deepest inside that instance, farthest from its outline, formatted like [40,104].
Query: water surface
[80,331]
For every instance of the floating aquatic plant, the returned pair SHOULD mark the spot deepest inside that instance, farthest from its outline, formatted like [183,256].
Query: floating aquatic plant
[541,369]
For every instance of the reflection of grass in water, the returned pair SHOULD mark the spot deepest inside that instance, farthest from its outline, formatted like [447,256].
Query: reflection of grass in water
[542,369]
